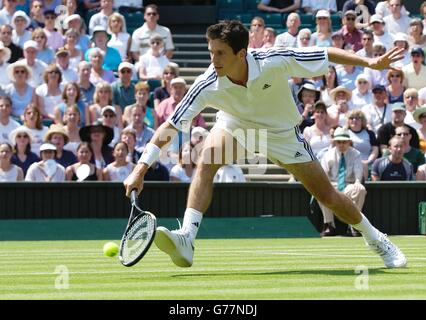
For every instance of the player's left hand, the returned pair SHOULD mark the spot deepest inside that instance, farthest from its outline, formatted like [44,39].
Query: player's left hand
[384,61]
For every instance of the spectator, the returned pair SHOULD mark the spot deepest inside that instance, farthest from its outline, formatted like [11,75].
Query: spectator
[54,38]
[19,90]
[84,154]
[57,136]
[75,55]
[71,122]
[396,21]
[101,99]
[304,38]
[167,106]
[413,155]
[347,75]
[152,63]
[395,89]
[33,121]
[307,95]
[185,168]
[257,28]
[362,95]
[7,12]
[49,94]
[377,25]
[51,4]
[120,39]
[71,97]
[363,8]
[342,164]
[21,139]
[393,167]
[141,36]
[422,12]
[269,36]
[87,89]
[36,14]
[20,22]
[6,123]
[6,37]
[378,77]
[312,6]
[99,137]
[157,172]
[9,172]
[330,82]
[378,112]
[109,119]
[420,116]
[169,73]
[111,58]
[63,63]
[318,135]
[417,38]
[387,130]
[119,169]
[101,18]
[415,72]
[401,41]
[337,41]
[322,36]
[37,66]
[141,97]
[289,38]
[363,139]
[44,53]
[143,132]
[41,171]
[229,173]
[338,111]
[123,90]
[99,74]
[383,8]
[367,44]
[421,173]
[351,35]
[411,102]
[279,6]
[74,21]
[5,54]
[128,136]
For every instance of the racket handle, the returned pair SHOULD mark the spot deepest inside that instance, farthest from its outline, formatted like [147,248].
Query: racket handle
[134,196]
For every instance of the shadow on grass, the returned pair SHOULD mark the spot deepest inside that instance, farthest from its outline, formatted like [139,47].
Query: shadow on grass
[325,272]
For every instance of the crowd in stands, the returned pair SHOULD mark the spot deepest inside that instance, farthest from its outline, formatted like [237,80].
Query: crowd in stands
[77,87]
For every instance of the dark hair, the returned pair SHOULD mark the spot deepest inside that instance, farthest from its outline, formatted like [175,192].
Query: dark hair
[152,6]
[324,80]
[232,32]
[123,143]
[85,144]
[8,99]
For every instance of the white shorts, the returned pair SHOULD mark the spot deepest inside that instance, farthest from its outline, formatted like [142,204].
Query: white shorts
[279,146]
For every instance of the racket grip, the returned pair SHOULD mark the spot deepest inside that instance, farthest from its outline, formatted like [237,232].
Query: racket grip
[133,196]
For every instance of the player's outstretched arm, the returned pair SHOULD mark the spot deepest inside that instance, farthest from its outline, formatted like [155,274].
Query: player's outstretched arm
[163,135]
[384,61]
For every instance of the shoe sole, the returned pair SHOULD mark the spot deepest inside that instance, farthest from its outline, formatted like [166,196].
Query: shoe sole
[165,244]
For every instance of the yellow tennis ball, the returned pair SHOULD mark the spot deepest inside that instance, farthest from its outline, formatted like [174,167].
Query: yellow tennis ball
[110,249]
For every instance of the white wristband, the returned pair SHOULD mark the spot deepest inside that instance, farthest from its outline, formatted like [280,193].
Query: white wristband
[150,154]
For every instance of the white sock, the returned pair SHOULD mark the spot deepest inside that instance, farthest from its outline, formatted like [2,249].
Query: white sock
[191,222]
[369,232]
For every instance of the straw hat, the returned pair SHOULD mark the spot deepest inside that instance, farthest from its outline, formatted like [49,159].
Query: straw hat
[418,112]
[340,89]
[6,51]
[11,68]
[56,128]
[341,134]
[20,129]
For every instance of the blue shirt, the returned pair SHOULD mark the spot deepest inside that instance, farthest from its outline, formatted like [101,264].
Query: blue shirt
[112,58]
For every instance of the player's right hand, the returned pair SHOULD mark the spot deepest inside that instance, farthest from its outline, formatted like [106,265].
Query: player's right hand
[134,181]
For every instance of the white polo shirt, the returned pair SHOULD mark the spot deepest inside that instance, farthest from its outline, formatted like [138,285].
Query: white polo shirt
[141,36]
[266,102]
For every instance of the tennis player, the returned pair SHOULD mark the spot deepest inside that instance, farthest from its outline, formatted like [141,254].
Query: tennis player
[251,92]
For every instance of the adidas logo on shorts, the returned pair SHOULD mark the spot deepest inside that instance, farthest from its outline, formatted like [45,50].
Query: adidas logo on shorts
[298,154]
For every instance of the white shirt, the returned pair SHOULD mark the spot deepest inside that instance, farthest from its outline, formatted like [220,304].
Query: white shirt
[4,78]
[38,139]
[119,42]
[6,129]
[286,40]
[375,115]
[141,36]
[9,176]
[359,100]
[37,70]
[68,75]
[354,169]
[50,102]
[316,5]
[266,102]
[387,39]
[178,172]
[395,26]
[36,173]
[119,174]
[19,40]
[154,66]
[98,19]
[229,173]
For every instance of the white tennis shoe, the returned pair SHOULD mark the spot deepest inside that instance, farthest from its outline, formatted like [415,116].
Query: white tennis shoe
[176,244]
[390,253]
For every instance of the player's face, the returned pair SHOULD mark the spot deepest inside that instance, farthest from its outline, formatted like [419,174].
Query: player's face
[223,58]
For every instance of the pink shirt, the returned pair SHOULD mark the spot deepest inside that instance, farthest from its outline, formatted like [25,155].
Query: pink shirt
[167,107]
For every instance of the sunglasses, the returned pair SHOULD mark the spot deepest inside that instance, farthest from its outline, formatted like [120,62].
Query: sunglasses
[21,136]
[20,71]
[350,19]
[362,82]
[395,76]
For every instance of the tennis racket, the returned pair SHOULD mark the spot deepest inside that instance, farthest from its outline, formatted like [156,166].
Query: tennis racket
[139,234]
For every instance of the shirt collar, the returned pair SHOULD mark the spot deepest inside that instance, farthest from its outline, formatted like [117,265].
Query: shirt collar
[253,73]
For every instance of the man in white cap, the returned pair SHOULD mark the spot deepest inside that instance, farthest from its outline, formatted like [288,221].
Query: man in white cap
[5,54]
[46,170]
[343,166]
[123,90]
[37,66]
[377,25]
